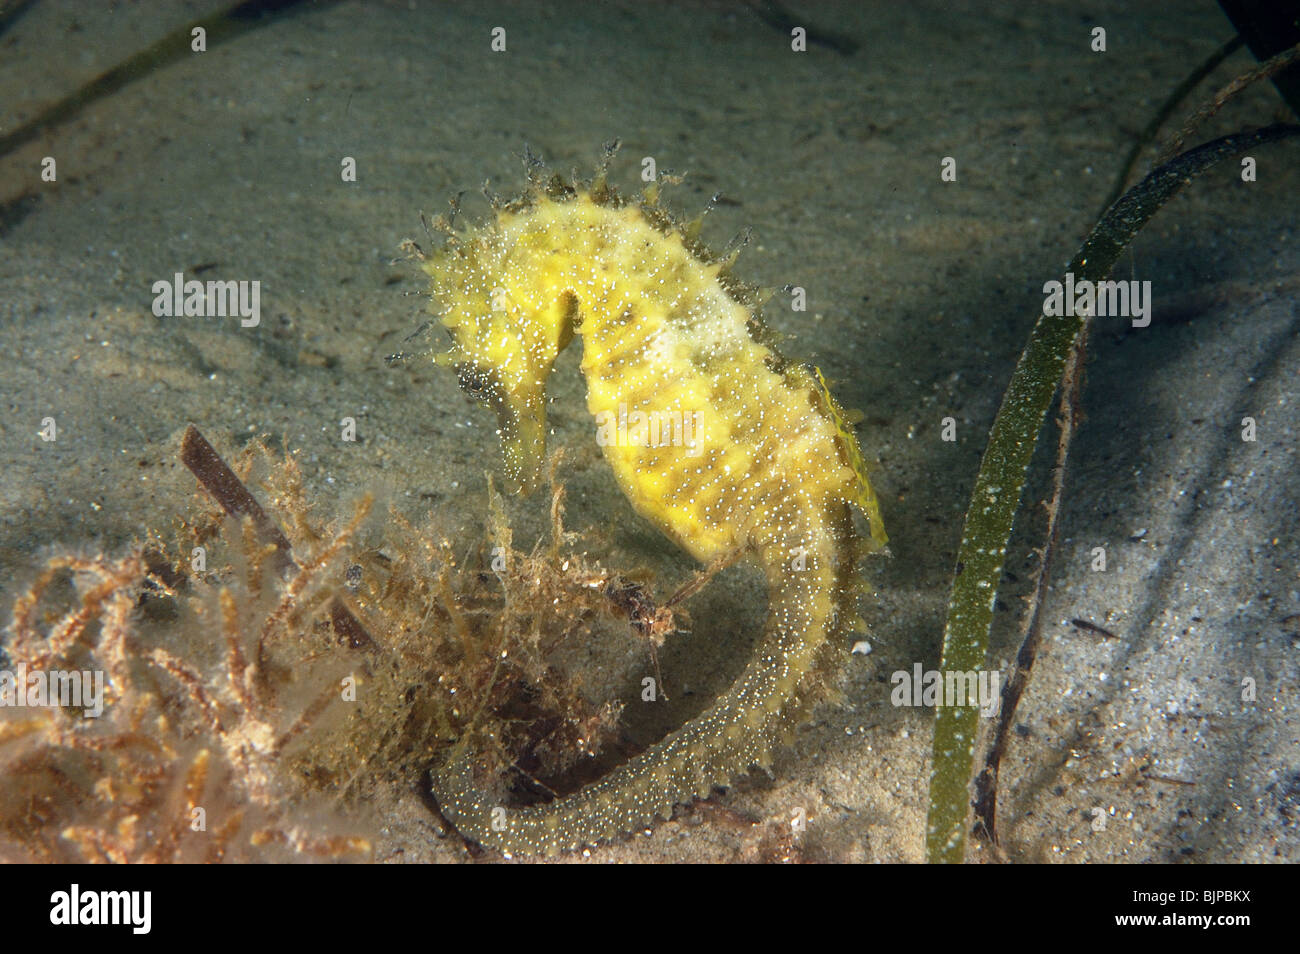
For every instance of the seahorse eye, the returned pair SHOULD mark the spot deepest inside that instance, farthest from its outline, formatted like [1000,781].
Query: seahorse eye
[475,382]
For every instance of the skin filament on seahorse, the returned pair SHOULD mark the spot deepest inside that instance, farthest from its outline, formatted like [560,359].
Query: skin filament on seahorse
[769,469]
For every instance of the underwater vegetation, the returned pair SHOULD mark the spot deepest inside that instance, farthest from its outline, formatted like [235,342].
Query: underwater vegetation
[324,661]
[1051,361]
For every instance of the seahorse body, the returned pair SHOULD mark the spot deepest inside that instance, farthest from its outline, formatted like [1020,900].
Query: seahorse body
[762,464]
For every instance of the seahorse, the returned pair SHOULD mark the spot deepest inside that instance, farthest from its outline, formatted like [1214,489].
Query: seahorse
[769,470]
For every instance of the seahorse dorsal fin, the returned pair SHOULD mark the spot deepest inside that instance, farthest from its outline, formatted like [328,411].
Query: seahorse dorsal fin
[866,496]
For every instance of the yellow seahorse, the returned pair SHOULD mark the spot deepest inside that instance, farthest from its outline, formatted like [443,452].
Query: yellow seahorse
[767,469]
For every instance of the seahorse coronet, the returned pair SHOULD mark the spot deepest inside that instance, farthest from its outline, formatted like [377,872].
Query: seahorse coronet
[712,434]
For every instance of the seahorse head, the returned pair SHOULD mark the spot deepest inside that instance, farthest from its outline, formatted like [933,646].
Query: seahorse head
[507,329]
